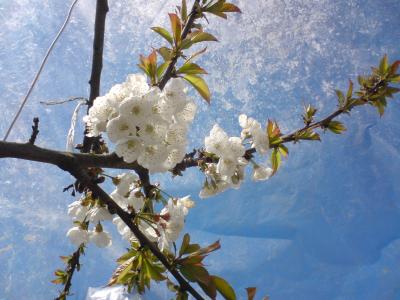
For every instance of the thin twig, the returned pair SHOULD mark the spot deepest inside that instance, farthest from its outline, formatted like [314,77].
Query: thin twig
[188,26]
[40,70]
[72,266]
[57,102]
[35,131]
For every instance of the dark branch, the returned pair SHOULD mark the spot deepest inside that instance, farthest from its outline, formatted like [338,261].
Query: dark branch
[97,64]
[35,130]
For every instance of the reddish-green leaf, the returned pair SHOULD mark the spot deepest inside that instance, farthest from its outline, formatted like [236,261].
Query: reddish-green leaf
[213,247]
[200,85]
[251,292]
[176,27]
[195,273]
[229,7]
[209,288]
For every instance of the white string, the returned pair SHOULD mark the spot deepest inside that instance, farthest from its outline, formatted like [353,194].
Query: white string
[71,133]
[40,70]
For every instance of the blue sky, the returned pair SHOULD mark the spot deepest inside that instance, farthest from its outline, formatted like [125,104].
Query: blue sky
[325,227]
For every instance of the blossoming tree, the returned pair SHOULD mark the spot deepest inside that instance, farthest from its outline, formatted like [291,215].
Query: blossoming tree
[141,126]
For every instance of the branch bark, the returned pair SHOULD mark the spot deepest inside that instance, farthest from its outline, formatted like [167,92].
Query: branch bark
[97,64]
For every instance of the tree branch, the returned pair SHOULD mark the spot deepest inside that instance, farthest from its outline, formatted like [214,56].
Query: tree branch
[83,177]
[97,64]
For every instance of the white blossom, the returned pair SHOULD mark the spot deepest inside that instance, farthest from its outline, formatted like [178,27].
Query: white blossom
[129,149]
[261,173]
[102,239]
[78,236]
[98,214]
[77,211]
[123,230]
[209,189]
[125,181]
[120,128]
[145,124]
[153,157]
[136,199]
[252,129]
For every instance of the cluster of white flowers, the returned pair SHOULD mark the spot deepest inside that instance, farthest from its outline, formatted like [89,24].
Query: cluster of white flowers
[163,228]
[81,212]
[146,124]
[230,169]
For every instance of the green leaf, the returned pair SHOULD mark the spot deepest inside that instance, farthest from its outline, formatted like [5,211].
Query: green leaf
[336,127]
[200,85]
[153,272]
[122,275]
[184,10]
[309,113]
[383,65]
[126,256]
[201,36]
[164,33]
[161,69]
[380,105]
[275,160]
[308,135]
[216,9]
[283,150]
[58,281]
[340,96]
[395,79]
[166,53]
[191,68]
[224,288]
[349,91]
